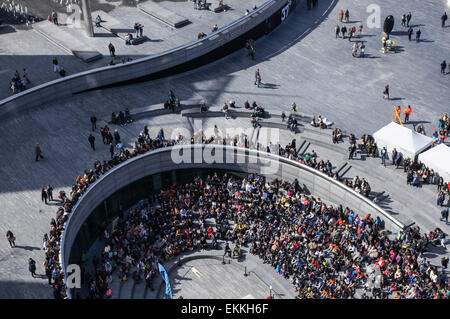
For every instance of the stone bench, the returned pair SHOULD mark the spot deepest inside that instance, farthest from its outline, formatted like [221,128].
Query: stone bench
[65,40]
[280,125]
[158,110]
[162,14]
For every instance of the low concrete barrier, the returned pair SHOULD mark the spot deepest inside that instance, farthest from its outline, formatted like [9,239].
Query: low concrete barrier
[226,157]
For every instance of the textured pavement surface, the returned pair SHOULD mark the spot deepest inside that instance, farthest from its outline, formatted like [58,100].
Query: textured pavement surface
[300,61]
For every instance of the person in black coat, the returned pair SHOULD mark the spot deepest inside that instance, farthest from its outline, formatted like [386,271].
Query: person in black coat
[91,140]
[32,267]
[11,238]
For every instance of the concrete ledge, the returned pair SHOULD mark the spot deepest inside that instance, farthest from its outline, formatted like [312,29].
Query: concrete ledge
[66,41]
[162,14]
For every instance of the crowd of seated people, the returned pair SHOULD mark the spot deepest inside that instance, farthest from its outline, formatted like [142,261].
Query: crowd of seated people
[335,244]
[325,251]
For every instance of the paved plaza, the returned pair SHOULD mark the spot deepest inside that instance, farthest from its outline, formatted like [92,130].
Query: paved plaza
[300,61]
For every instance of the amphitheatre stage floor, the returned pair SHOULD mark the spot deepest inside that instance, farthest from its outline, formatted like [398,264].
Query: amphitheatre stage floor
[300,61]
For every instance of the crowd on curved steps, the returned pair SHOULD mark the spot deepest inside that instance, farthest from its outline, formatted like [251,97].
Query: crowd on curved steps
[325,251]
[143,144]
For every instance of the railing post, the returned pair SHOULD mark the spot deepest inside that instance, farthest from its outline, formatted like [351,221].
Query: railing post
[245,271]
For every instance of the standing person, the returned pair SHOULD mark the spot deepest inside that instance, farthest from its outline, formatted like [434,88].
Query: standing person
[48,273]
[383,154]
[55,17]
[386,91]
[403,20]
[91,140]
[227,250]
[56,67]
[93,122]
[347,16]
[111,149]
[343,31]
[136,29]
[418,33]
[337,30]
[49,192]
[141,30]
[257,77]
[408,18]
[341,15]
[11,238]
[363,47]
[444,262]
[350,34]
[360,29]
[352,150]
[294,107]
[32,267]
[444,18]
[38,152]
[112,50]
[117,136]
[25,75]
[410,32]
[443,66]
[407,113]
[44,195]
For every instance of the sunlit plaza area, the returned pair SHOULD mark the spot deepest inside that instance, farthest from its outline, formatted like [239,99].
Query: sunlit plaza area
[224,149]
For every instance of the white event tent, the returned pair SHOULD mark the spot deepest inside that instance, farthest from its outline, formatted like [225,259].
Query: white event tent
[405,140]
[438,158]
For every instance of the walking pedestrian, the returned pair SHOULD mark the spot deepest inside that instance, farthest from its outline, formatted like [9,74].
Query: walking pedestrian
[91,140]
[341,15]
[337,30]
[444,18]
[362,49]
[48,273]
[410,32]
[11,238]
[44,195]
[443,66]
[444,214]
[383,154]
[444,262]
[403,20]
[56,67]
[418,33]
[352,150]
[343,31]
[49,192]
[386,91]
[112,50]
[257,78]
[408,18]
[32,267]
[111,149]
[94,122]
[117,136]
[294,107]
[38,152]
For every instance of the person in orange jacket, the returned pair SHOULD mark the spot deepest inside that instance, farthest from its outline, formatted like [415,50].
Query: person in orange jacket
[407,113]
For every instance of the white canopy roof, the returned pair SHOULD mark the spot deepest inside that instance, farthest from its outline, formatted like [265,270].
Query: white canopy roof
[438,158]
[405,140]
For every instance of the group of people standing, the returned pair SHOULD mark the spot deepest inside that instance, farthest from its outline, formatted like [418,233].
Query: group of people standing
[19,84]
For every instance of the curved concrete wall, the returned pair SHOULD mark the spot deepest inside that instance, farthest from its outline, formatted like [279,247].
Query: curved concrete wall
[144,67]
[225,157]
